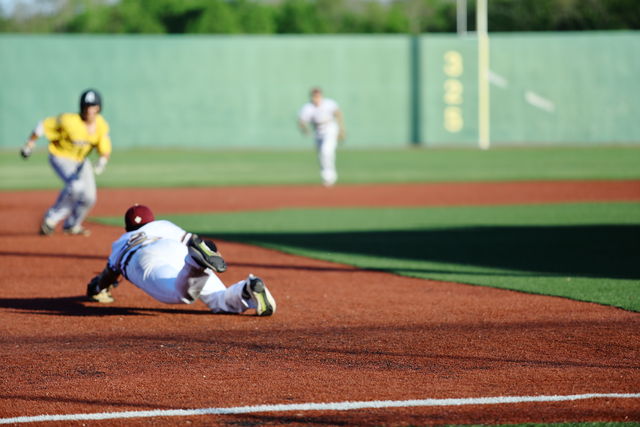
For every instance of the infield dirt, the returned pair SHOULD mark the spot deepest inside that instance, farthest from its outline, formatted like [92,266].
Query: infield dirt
[340,334]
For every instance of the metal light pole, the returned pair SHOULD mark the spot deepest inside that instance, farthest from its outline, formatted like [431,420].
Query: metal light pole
[461,17]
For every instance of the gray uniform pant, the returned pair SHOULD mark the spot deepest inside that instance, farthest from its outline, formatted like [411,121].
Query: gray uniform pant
[78,195]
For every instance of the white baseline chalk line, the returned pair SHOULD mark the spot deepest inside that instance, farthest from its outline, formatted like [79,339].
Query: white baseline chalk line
[335,406]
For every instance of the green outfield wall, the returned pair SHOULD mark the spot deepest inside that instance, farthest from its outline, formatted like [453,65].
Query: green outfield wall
[545,88]
[207,91]
[245,91]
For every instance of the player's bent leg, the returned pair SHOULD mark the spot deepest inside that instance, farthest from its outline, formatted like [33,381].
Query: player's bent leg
[56,213]
[83,195]
[190,283]
[327,159]
[75,200]
[221,299]
[155,269]
[65,169]
[160,283]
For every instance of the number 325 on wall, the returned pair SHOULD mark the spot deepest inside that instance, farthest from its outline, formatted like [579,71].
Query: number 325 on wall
[453,68]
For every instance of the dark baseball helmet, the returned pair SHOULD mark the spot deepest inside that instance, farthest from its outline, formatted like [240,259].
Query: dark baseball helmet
[90,97]
[137,216]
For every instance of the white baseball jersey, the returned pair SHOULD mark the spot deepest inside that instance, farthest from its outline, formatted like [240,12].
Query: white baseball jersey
[123,249]
[156,259]
[321,117]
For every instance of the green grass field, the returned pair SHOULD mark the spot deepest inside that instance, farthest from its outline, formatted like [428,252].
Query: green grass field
[185,168]
[588,252]
[604,424]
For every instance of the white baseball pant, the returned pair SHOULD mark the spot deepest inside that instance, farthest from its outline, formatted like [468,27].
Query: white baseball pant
[161,269]
[326,145]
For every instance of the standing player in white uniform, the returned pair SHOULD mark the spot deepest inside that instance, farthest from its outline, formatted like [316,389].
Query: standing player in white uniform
[175,267]
[324,115]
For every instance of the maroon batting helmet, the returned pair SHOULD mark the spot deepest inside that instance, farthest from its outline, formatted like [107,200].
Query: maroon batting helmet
[137,216]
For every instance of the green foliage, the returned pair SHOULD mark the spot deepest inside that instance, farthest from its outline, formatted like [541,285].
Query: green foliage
[256,18]
[129,17]
[397,20]
[319,16]
[297,16]
[216,17]
[562,15]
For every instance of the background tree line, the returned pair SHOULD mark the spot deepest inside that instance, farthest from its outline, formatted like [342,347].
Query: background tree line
[311,16]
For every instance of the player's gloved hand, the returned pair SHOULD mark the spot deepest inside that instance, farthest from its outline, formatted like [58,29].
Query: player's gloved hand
[26,151]
[97,294]
[99,288]
[100,165]
[93,287]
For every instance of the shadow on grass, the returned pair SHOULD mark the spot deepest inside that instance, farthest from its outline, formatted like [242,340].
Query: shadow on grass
[606,251]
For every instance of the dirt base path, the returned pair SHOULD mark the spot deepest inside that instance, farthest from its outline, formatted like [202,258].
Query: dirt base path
[340,334]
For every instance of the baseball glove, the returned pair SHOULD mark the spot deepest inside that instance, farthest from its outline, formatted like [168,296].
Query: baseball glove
[26,151]
[99,288]
[103,296]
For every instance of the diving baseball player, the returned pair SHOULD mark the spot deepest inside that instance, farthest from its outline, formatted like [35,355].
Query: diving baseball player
[325,117]
[72,137]
[175,267]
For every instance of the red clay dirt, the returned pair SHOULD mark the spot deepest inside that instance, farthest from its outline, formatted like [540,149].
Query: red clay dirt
[340,334]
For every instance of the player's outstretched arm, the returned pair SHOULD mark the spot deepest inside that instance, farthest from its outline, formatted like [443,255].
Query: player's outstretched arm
[101,164]
[27,148]
[100,286]
[342,133]
[302,125]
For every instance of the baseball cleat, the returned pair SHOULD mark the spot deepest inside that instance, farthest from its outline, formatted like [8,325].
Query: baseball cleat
[46,229]
[77,230]
[104,296]
[258,293]
[204,253]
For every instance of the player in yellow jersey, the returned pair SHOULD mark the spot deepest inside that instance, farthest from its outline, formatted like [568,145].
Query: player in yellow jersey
[72,137]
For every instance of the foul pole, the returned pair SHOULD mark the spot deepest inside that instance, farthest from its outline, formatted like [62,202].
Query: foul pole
[483,74]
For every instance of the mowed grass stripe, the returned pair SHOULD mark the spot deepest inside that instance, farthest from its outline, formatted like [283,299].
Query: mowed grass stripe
[200,168]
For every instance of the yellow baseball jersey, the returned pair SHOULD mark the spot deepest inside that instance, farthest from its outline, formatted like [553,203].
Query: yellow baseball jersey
[69,137]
